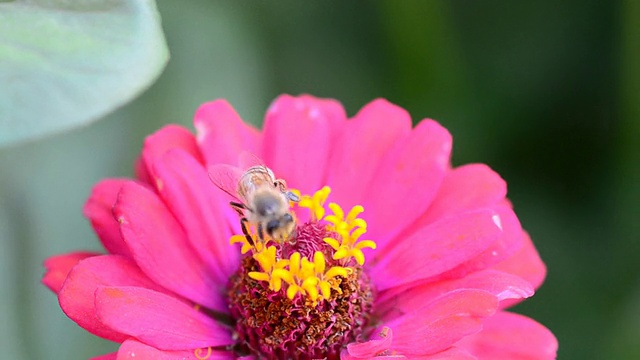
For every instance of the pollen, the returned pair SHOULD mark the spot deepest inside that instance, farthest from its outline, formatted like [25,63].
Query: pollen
[301,292]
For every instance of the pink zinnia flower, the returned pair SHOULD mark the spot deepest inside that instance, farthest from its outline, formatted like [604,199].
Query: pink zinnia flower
[395,253]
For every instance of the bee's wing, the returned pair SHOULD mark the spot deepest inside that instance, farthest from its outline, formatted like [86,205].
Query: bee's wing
[226,178]
[248,160]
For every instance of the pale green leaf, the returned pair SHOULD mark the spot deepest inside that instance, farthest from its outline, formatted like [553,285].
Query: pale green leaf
[66,63]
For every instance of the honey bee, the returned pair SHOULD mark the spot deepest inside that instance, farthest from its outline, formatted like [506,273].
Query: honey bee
[262,200]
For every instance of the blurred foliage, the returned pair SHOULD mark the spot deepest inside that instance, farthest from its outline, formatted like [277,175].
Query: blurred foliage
[546,93]
[66,63]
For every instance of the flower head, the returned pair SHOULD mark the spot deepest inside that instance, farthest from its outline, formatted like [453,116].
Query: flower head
[389,251]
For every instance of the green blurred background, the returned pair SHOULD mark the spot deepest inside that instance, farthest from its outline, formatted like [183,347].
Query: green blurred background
[547,93]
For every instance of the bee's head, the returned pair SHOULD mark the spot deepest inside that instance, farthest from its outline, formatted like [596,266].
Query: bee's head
[280,228]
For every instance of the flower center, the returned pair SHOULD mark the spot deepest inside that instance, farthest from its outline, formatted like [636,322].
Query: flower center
[308,297]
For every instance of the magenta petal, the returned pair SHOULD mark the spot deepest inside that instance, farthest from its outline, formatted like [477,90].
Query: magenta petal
[344,355]
[160,247]
[222,135]
[298,138]
[526,263]
[509,242]
[165,139]
[77,294]
[410,297]
[436,248]
[375,129]
[132,349]
[198,206]
[58,267]
[452,353]
[157,319]
[381,342]
[512,336]
[442,322]
[99,210]
[464,188]
[408,178]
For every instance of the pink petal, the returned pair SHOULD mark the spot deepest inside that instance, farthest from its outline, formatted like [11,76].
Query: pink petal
[509,242]
[375,129]
[380,342]
[165,139]
[512,336]
[344,355]
[99,210]
[464,188]
[58,267]
[407,298]
[111,356]
[436,248]
[526,263]
[442,322]
[298,138]
[222,135]
[157,319]
[132,349]
[161,248]
[198,206]
[407,181]
[77,294]
[452,353]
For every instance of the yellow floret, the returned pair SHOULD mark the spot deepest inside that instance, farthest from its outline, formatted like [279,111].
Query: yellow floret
[315,203]
[340,223]
[348,246]
[270,265]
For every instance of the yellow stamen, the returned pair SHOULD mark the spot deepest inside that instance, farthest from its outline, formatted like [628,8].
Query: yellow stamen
[340,223]
[270,265]
[246,245]
[315,203]
[260,276]
[292,290]
[242,240]
[349,229]
[335,244]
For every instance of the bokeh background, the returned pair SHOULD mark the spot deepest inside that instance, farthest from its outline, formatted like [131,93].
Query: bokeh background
[547,93]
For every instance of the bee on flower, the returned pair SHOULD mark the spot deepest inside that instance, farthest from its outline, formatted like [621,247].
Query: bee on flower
[262,200]
[432,280]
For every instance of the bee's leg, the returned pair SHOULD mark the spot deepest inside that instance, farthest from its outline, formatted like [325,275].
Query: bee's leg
[238,207]
[293,236]
[260,232]
[245,231]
